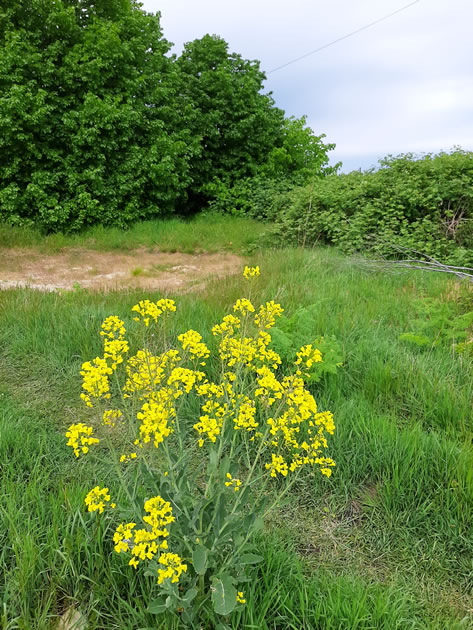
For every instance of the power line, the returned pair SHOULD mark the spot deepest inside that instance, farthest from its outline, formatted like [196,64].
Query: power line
[335,41]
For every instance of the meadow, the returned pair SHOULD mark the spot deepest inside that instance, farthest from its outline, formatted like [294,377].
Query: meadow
[385,543]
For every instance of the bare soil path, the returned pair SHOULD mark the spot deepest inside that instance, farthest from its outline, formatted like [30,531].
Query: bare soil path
[97,270]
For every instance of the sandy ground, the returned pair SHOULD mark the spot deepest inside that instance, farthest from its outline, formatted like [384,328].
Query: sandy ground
[89,269]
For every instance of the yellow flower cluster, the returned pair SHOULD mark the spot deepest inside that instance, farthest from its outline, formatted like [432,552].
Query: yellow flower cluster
[296,415]
[307,356]
[145,543]
[245,418]
[251,272]
[152,310]
[240,598]
[192,342]
[98,499]
[266,317]
[233,482]
[245,350]
[115,346]
[111,417]
[95,380]
[126,459]
[80,438]
[146,371]
[229,324]
[277,465]
[244,306]
[156,418]
[174,567]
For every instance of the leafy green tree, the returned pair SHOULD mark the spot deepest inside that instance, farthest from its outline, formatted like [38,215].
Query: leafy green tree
[298,154]
[236,123]
[89,128]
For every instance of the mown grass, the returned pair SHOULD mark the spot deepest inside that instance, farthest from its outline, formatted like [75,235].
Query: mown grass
[209,233]
[386,543]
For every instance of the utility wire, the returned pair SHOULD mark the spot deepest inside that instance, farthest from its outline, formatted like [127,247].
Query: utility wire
[335,41]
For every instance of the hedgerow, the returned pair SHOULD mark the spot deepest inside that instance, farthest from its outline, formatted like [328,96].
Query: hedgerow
[421,204]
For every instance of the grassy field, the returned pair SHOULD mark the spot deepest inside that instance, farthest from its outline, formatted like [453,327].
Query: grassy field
[209,233]
[385,543]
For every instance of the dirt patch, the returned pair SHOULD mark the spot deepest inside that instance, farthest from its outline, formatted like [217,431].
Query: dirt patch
[89,269]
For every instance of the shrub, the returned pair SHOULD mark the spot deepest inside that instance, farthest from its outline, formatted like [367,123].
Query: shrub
[421,204]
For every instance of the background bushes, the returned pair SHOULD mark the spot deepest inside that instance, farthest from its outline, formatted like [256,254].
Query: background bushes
[421,204]
[99,125]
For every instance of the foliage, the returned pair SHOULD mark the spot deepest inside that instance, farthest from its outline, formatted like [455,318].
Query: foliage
[254,428]
[259,197]
[89,126]
[296,157]
[422,204]
[440,322]
[99,125]
[236,123]
[293,332]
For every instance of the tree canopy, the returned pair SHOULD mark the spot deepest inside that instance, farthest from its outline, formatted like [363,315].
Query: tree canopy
[100,124]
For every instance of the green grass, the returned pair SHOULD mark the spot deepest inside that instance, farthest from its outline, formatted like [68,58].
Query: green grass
[386,543]
[203,233]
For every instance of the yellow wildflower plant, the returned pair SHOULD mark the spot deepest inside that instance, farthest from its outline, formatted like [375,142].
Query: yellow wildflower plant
[307,356]
[251,272]
[80,438]
[115,346]
[174,567]
[152,310]
[192,342]
[144,543]
[244,306]
[95,380]
[126,459]
[266,317]
[240,599]
[98,499]
[251,418]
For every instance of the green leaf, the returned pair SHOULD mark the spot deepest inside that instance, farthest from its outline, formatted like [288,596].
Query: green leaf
[251,558]
[157,606]
[224,594]
[187,598]
[199,559]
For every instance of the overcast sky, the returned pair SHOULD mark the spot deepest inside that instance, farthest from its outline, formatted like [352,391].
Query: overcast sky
[405,84]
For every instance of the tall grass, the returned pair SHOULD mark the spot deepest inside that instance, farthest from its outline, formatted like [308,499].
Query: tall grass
[209,233]
[385,543]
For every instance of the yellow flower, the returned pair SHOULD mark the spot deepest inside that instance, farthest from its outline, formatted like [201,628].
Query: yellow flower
[229,324]
[95,380]
[266,317]
[307,356]
[97,499]
[174,567]
[240,599]
[153,310]
[251,272]
[113,332]
[127,458]
[244,306]
[277,465]
[192,341]
[145,543]
[80,438]
[234,483]
[146,372]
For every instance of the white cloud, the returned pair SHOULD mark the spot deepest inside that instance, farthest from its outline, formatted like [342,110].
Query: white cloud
[405,84]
